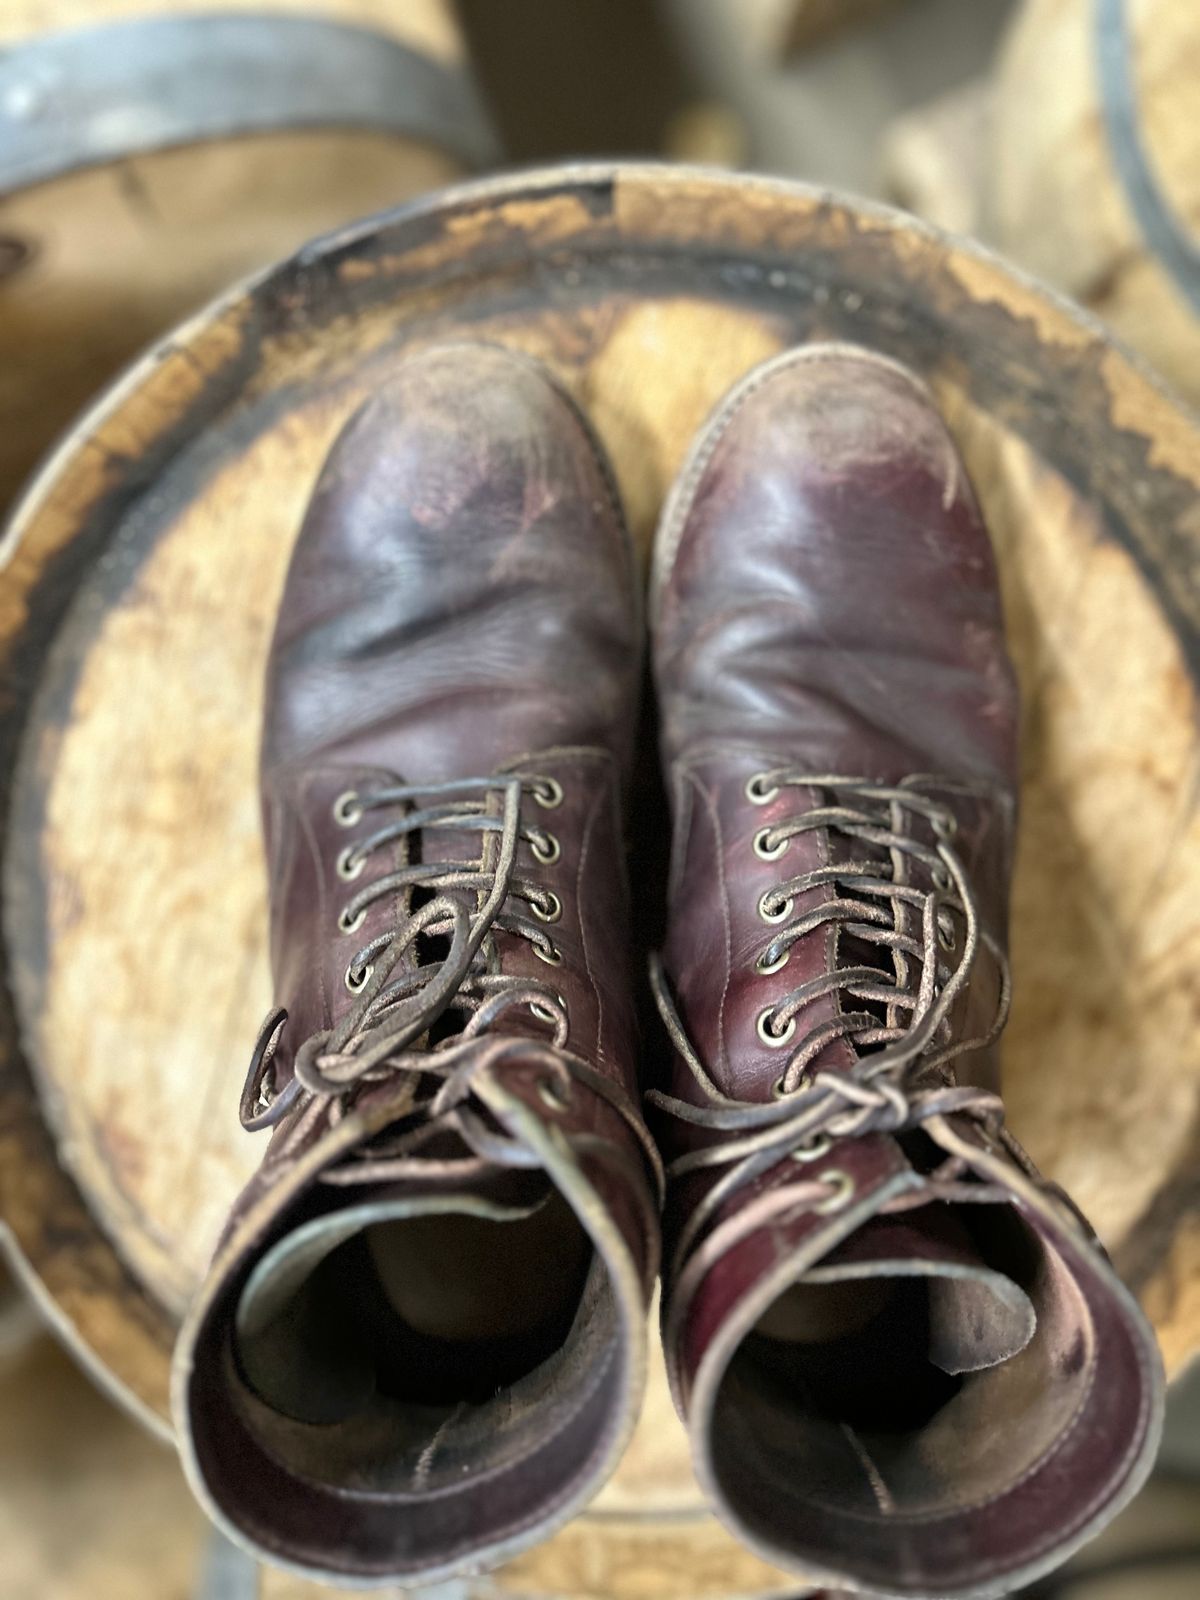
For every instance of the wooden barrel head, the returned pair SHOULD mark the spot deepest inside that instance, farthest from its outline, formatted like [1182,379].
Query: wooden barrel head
[1091,167]
[141,577]
[150,157]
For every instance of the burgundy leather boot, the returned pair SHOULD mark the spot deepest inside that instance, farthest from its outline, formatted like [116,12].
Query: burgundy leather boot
[904,1361]
[421,1344]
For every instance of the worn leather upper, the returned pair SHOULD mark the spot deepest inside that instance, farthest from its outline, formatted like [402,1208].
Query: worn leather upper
[462,601]
[828,644]
[825,588]
[461,605]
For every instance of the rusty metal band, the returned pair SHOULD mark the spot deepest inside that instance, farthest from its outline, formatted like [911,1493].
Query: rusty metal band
[85,96]
[1165,236]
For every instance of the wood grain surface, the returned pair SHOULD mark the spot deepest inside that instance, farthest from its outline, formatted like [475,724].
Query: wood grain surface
[140,577]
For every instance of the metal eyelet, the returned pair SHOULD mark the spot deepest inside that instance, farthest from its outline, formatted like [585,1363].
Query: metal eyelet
[548,793]
[842,1186]
[758,791]
[945,825]
[812,1149]
[549,953]
[347,812]
[352,924]
[763,850]
[773,1040]
[765,968]
[357,985]
[784,912]
[946,936]
[544,1013]
[548,852]
[555,908]
[941,877]
[552,1095]
[348,867]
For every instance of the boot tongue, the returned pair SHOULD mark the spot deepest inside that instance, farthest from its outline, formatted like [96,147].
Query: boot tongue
[977,1316]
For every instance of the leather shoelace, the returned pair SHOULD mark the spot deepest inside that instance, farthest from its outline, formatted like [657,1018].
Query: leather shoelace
[902,1080]
[398,1001]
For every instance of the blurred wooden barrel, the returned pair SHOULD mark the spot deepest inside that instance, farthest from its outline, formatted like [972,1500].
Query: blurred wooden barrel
[1093,173]
[153,151]
[19,1321]
[138,583]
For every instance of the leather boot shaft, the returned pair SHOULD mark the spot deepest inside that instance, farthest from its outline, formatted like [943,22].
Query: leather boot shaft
[421,1345]
[903,1359]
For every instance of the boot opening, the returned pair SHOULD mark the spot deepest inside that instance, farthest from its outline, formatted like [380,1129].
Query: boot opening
[395,1385]
[918,1370]
[852,1354]
[440,1309]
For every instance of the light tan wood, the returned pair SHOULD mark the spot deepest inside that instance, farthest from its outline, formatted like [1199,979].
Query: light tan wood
[91,1508]
[932,157]
[708,133]
[105,259]
[134,885]
[1172,1299]
[1053,200]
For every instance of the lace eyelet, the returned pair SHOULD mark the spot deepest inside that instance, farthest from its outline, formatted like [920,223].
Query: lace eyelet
[544,1013]
[812,1149]
[555,908]
[351,924]
[784,912]
[945,825]
[349,866]
[941,877]
[765,968]
[548,793]
[841,1185]
[549,953]
[357,985]
[946,937]
[773,1040]
[758,791]
[552,1094]
[763,850]
[547,852]
[347,812]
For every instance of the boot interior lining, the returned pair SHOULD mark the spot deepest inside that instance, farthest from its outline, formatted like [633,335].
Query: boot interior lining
[832,1403]
[418,1347]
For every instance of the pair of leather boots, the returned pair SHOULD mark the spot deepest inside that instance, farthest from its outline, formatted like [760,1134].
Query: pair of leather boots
[902,1358]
